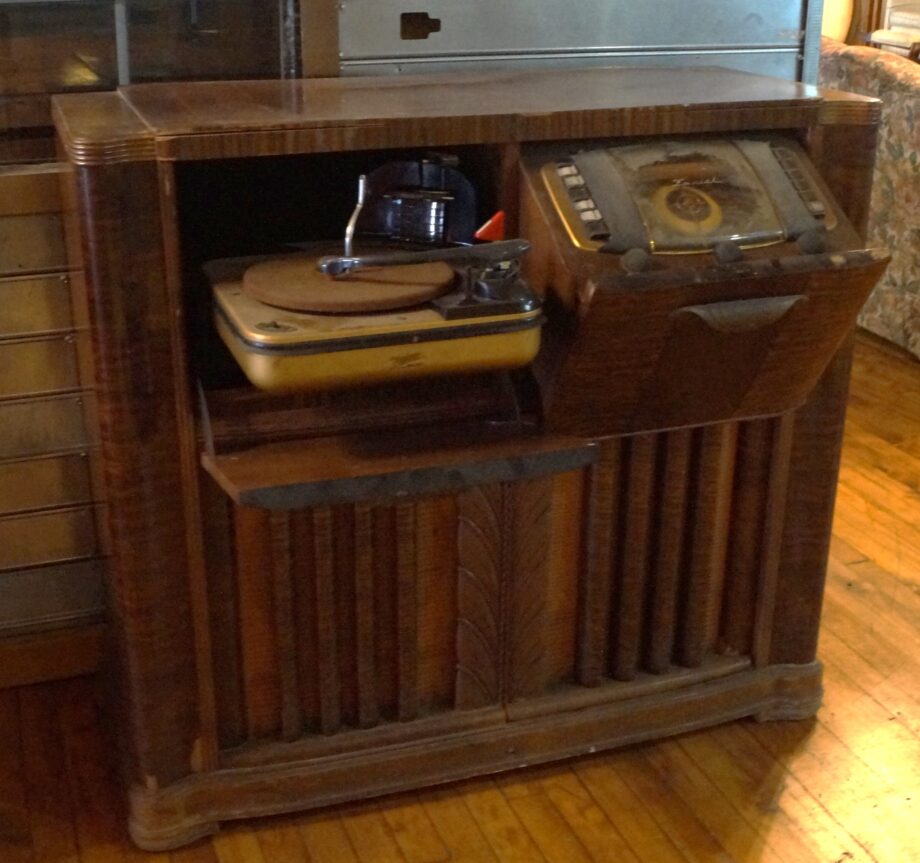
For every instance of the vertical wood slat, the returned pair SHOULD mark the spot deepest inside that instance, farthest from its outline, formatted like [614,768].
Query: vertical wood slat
[386,632]
[633,556]
[745,546]
[259,646]
[344,552]
[526,539]
[564,564]
[774,522]
[706,571]
[594,604]
[327,646]
[291,717]
[303,565]
[224,614]
[669,553]
[365,655]
[407,611]
[436,571]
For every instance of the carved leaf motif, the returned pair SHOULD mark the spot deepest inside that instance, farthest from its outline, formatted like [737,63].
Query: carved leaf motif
[479,581]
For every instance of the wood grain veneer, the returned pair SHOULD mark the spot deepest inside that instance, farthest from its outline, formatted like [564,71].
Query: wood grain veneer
[350,611]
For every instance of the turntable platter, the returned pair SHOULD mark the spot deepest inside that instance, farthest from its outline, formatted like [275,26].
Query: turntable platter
[293,282]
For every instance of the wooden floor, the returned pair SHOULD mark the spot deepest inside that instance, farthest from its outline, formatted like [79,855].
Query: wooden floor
[843,788]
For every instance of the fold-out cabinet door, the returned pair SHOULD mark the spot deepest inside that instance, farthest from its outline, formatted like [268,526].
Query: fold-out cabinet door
[659,351]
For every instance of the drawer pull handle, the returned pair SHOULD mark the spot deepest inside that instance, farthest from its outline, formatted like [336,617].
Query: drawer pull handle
[742,316]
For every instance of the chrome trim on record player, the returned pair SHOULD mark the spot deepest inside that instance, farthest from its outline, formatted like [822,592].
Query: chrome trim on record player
[528,321]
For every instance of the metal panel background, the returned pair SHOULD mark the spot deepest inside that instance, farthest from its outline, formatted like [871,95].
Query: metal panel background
[556,32]
[777,64]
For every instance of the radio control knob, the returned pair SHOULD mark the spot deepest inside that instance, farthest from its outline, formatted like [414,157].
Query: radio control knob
[727,252]
[636,261]
[813,242]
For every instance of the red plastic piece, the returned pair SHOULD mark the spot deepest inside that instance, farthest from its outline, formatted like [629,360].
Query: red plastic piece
[494,229]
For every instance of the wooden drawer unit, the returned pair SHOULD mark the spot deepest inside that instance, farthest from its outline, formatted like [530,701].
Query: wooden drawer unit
[38,366]
[31,226]
[35,304]
[40,483]
[43,597]
[31,427]
[33,539]
[50,571]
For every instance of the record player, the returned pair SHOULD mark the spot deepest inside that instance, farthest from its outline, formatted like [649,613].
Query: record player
[408,294]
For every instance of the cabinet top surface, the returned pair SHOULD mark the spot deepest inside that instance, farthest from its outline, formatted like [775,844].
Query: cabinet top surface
[140,121]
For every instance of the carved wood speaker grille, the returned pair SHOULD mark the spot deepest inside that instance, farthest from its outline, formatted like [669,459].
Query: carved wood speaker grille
[681,538]
[658,558]
[331,618]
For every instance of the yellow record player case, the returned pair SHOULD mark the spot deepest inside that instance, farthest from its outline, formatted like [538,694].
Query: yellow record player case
[282,350]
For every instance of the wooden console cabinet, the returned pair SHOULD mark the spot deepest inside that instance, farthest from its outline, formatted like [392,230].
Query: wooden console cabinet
[322,598]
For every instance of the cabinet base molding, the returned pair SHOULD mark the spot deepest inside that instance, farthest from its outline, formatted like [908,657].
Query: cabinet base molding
[194,807]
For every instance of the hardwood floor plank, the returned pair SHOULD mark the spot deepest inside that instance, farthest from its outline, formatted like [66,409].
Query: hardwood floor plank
[199,852]
[238,845]
[499,823]
[371,837]
[892,692]
[627,812]
[559,784]
[673,815]
[98,807]
[756,792]
[327,840]
[281,842]
[552,835]
[48,781]
[414,833]
[456,826]
[711,807]
[776,790]
[846,787]
[15,830]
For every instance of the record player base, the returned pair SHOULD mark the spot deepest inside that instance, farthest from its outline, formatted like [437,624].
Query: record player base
[166,818]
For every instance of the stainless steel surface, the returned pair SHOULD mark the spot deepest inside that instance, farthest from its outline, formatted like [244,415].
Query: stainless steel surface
[774,63]
[475,256]
[744,34]
[811,49]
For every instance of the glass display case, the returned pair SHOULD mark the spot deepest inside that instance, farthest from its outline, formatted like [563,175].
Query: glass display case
[72,45]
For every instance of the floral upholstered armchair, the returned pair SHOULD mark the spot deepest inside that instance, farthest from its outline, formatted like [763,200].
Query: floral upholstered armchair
[893,310]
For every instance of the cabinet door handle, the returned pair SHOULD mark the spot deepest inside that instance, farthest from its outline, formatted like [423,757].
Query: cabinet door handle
[742,316]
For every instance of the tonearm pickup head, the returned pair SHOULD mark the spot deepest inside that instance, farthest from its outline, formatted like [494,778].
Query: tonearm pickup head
[480,256]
